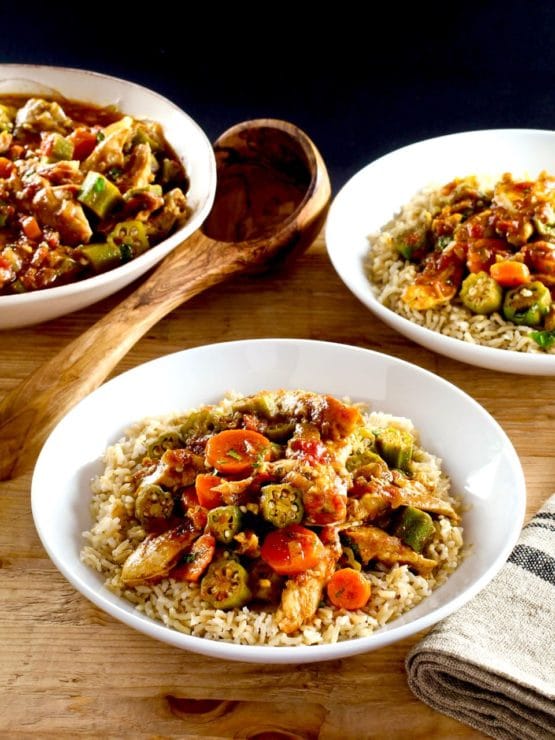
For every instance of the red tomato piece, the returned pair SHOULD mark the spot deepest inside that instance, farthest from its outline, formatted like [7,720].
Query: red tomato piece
[204,485]
[292,549]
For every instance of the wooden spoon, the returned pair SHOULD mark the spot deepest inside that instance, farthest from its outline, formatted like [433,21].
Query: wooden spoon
[272,198]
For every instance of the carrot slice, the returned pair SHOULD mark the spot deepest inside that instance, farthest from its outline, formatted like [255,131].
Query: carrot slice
[31,228]
[204,485]
[201,555]
[235,451]
[348,589]
[510,273]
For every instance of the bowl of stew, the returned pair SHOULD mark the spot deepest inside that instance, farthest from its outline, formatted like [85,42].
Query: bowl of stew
[100,178]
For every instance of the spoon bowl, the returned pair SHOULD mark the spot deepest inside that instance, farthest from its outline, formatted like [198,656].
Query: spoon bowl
[272,197]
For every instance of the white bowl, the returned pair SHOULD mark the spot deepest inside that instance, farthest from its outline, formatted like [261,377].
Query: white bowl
[376,193]
[185,137]
[477,455]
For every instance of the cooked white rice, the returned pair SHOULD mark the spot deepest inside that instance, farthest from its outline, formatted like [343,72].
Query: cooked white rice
[115,534]
[390,275]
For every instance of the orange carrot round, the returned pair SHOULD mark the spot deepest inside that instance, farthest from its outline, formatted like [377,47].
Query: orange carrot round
[510,273]
[236,451]
[348,589]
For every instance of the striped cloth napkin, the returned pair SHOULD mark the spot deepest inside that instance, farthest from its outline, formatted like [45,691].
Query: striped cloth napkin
[491,664]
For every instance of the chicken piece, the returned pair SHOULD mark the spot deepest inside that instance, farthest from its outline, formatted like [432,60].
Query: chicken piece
[302,594]
[374,543]
[109,150]
[57,207]
[138,172]
[440,279]
[157,554]
[62,173]
[234,491]
[176,468]
[378,496]
[139,204]
[174,213]
[39,115]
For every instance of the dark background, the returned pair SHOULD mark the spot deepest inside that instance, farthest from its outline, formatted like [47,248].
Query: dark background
[359,84]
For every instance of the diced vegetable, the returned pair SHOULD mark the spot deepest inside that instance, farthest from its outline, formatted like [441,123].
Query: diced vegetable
[281,504]
[237,451]
[99,194]
[510,273]
[326,506]
[84,141]
[31,228]
[100,257]
[57,147]
[527,304]
[360,459]
[280,432]
[197,561]
[224,522]
[413,244]
[207,496]
[153,503]
[292,549]
[198,424]
[348,589]
[166,441]
[415,528]
[395,446]
[225,585]
[6,167]
[481,294]
[130,235]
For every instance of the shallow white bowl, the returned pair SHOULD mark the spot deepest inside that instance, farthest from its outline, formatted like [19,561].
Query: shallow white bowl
[376,193]
[185,137]
[477,455]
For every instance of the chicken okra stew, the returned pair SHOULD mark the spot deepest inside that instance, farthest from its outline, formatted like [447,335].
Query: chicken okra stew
[282,518]
[82,190]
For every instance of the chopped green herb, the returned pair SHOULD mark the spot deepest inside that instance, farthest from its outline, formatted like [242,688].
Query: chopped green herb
[188,558]
[543,339]
[114,172]
[100,136]
[443,241]
[234,454]
[99,185]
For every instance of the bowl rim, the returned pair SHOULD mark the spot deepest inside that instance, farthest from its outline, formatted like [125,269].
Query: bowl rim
[69,289]
[299,653]
[493,358]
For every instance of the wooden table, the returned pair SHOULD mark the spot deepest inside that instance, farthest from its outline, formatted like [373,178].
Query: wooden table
[68,669]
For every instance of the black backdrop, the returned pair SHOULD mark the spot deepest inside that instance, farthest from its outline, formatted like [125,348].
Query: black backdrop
[360,83]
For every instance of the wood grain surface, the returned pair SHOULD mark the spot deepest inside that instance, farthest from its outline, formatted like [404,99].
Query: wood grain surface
[68,669]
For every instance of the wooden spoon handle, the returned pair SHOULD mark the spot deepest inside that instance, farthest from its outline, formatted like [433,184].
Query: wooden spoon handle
[31,410]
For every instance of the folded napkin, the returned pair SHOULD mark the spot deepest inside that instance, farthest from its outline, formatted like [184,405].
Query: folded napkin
[492,663]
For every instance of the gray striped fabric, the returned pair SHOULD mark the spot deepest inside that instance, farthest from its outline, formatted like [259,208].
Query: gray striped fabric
[491,664]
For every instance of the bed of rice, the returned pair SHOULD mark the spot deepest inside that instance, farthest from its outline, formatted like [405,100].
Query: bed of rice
[115,534]
[389,275]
